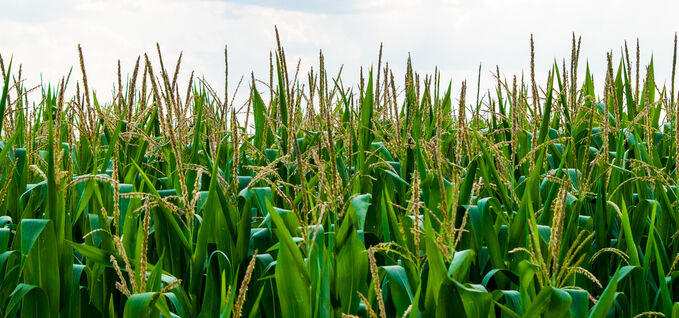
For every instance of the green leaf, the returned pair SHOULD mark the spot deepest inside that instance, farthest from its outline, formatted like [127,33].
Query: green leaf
[399,288]
[291,272]
[33,300]
[3,97]
[550,302]
[39,246]
[606,300]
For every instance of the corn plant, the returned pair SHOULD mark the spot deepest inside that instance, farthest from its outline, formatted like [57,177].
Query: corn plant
[384,199]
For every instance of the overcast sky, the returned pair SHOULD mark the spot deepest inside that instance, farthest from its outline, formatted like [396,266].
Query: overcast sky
[455,35]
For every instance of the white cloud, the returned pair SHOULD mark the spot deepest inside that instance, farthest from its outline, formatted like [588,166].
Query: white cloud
[454,35]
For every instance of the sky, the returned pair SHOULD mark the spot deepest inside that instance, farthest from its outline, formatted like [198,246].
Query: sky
[453,35]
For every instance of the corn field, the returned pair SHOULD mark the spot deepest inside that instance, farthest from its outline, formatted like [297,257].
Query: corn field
[394,197]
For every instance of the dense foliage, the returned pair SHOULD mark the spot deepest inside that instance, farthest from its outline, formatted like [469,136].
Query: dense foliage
[318,200]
